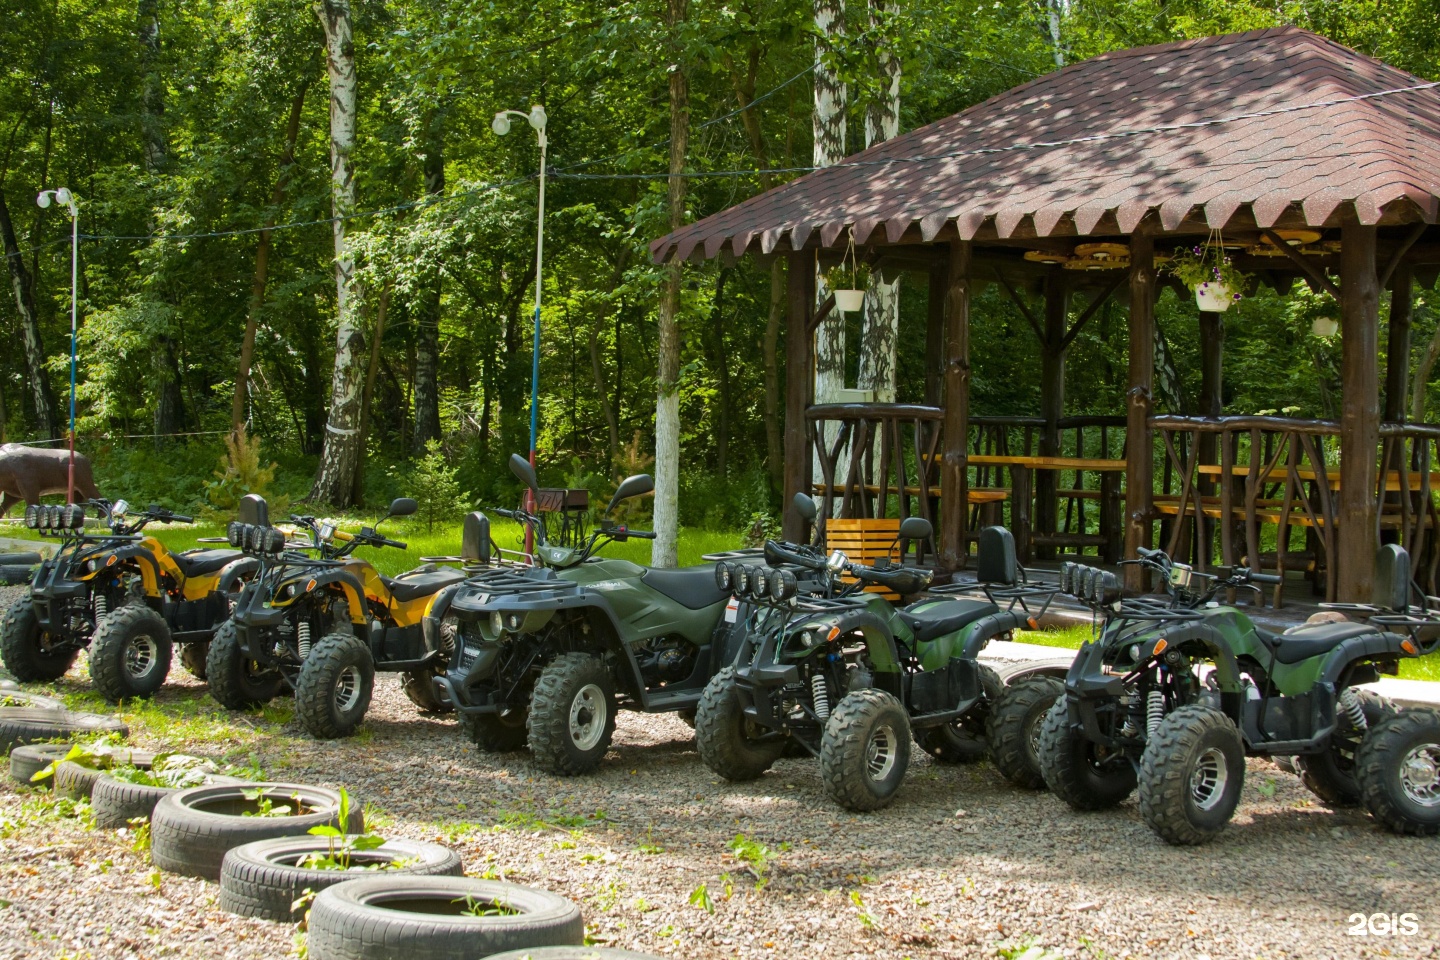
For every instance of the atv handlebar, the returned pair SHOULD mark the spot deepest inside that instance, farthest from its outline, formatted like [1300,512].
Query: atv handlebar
[776,551]
[902,580]
[642,534]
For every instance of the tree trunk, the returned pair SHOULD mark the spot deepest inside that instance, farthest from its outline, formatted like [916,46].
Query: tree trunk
[427,317]
[880,322]
[722,375]
[262,260]
[377,337]
[334,482]
[829,138]
[23,283]
[665,551]
[1055,12]
[597,370]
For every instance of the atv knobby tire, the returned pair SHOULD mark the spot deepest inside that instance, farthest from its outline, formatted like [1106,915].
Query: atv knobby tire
[380,918]
[114,803]
[1191,774]
[1398,768]
[1073,768]
[1331,775]
[963,740]
[723,734]
[193,656]
[1013,729]
[865,750]
[28,760]
[419,686]
[191,830]
[22,649]
[333,690]
[130,653]
[236,681]
[20,725]
[263,879]
[496,733]
[572,715]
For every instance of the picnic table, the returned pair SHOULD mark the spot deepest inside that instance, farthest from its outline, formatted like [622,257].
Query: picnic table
[1022,470]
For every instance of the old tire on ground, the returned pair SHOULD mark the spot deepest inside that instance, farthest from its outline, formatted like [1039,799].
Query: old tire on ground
[262,880]
[419,686]
[573,953]
[1398,767]
[192,657]
[191,830]
[724,735]
[379,918]
[77,781]
[19,698]
[1191,774]
[237,682]
[1076,770]
[333,690]
[963,740]
[1013,729]
[572,715]
[37,725]
[24,649]
[865,750]
[14,574]
[30,759]
[115,803]
[130,653]
[1331,775]
[496,733]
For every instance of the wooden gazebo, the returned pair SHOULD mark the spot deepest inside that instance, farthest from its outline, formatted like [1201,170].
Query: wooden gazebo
[1320,164]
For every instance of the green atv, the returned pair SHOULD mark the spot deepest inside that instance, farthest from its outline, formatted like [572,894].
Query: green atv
[848,676]
[546,654]
[1173,695]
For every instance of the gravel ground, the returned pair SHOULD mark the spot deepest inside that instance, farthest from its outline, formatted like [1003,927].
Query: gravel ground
[962,865]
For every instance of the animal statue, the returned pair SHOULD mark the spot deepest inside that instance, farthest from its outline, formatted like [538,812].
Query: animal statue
[28,473]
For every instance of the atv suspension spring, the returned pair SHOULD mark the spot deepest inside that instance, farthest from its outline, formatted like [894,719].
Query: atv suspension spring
[1350,700]
[302,639]
[102,607]
[1154,711]
[820,693]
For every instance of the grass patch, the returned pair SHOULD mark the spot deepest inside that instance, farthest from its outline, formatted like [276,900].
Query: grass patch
[1068,637]
[186,716]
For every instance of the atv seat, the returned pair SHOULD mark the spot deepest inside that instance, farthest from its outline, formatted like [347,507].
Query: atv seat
[421,583]
[691,587]
[197,563]
[1311,639]
[937,619]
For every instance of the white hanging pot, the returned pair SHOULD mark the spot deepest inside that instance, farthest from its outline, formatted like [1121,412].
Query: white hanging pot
[1214,297]
[849,301]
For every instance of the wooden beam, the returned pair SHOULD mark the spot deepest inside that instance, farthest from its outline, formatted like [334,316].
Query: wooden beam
[1357,537]
[1304,264]
[1389,269]
[954,496]
[1052,402]
[1024,310]
[1397,350]
[1093,308]
[826,307]
[935,336]
[1139,444]
[799,381]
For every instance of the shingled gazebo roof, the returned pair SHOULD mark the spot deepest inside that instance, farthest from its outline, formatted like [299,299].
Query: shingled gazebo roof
[1269,123]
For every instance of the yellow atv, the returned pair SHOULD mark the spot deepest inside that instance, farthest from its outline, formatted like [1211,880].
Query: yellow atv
[325,621]
[123,595]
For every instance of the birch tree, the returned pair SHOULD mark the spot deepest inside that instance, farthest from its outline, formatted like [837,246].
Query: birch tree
[664,552]
[23,283]
[1055,13]
[829,136]
[880,324]
[342,447]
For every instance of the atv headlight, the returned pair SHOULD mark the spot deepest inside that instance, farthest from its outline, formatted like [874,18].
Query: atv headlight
[271,540]
[1067,577]
[497,623]
[782,584]
[74,516]
[742,579]
[235,534]
[32,516]
[759,584]
[724,579]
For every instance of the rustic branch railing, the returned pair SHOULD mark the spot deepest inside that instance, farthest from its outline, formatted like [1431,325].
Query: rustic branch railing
[1248,476]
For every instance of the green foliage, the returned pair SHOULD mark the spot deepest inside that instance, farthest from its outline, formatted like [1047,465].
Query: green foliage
[1206,263]
[265,806]
[168,770]
[756,856]
[99,754]
[473,907]
[343,846]
[242,472]
[433,484]
[700,897]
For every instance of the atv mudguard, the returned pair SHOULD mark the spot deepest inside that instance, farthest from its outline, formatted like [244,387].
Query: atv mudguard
[349,585]
[145,561]
[236,572]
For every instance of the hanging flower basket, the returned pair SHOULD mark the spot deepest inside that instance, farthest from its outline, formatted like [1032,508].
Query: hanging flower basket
[1215,296]
[1210,274]
[849,301]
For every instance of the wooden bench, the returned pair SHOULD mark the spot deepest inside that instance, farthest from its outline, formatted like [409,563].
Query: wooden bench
[865,541]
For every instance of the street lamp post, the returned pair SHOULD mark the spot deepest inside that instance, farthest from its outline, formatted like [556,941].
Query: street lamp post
[62,195]
[501,125]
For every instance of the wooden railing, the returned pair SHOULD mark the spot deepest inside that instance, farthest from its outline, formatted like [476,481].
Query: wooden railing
[1259,482]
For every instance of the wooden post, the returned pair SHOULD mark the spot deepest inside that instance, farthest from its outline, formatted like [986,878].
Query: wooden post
[1356,538]
[935,337]
[1210,403]
[1052,402]
[799,379]
[1397,355]
[954,495]
[1139,444]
